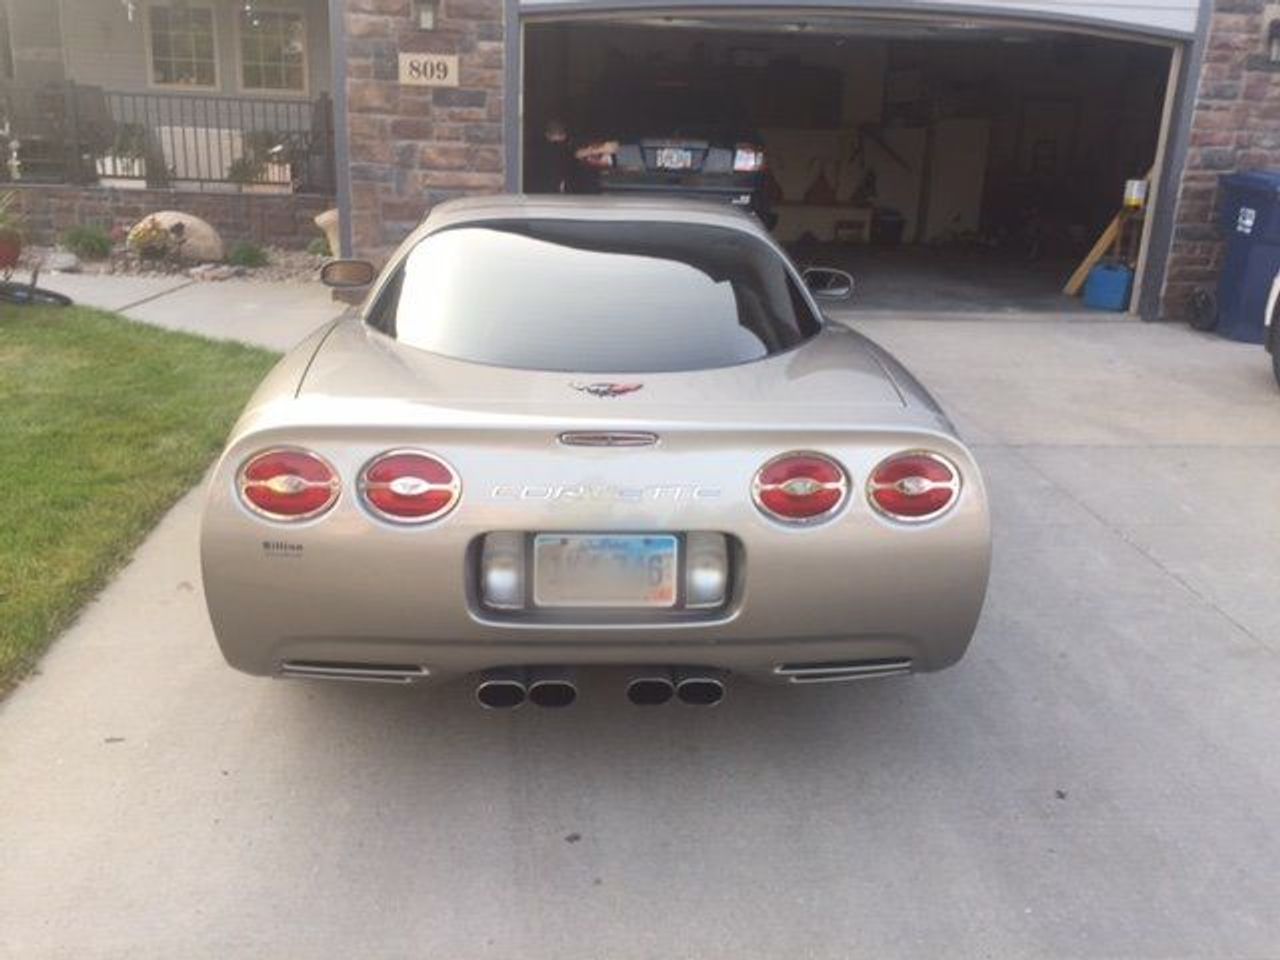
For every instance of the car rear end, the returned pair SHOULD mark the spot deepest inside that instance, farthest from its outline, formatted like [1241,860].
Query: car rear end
[433,489]
[662,143]
[729,171]
[427,551]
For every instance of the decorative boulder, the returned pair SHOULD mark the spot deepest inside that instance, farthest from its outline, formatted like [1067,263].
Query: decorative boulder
[200,242]
[329,224]
[62,261]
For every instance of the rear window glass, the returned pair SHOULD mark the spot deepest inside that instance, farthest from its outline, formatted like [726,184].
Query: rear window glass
[591,297]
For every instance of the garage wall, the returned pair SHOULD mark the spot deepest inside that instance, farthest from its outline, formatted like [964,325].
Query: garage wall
[1070,121]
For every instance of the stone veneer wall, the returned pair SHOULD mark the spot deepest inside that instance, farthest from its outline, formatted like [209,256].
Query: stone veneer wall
[1236,126]
[282,220]
[413,147]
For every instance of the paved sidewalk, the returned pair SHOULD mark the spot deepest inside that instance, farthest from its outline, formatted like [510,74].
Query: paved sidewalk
[273,315]
[1099,778]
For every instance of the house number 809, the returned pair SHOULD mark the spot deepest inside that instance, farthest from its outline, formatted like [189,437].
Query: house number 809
[429,69]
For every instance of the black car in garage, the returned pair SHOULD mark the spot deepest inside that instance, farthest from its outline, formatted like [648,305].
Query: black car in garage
[674,136]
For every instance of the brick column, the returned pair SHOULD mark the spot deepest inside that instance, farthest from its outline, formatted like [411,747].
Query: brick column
[412,147]
[1236,126]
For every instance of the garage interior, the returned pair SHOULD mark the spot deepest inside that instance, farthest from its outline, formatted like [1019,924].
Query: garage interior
[950,166]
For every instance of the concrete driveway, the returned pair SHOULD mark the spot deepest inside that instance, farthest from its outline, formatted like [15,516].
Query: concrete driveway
[272,315]
[1100,777]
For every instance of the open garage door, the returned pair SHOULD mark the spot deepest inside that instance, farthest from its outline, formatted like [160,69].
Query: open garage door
[950,166]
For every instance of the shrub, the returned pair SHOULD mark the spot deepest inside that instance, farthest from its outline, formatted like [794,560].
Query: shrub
[319,247]
[251,166]
[10,232]
[10,219]
[88,242]
[246,170]
[248,255]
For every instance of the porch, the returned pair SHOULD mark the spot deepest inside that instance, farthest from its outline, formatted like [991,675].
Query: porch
[211,96]
[71,133]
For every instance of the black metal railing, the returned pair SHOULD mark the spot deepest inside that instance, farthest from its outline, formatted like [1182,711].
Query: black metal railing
[75,133]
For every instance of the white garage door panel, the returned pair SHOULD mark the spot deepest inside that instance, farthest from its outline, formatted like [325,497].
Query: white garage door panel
[1164,16]
[1176,17]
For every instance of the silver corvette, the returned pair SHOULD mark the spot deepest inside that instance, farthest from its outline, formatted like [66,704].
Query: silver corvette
[565,433]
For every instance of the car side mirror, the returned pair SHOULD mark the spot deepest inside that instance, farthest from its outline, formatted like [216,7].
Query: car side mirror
[827,283]
[346,274]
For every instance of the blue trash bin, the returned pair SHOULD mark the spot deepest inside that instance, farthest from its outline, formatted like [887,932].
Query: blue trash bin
[1249,216]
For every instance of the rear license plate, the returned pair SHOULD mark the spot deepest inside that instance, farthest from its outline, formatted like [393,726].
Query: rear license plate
[582,570]
[673,158]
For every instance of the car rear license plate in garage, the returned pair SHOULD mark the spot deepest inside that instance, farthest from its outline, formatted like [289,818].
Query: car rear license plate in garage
[674,158]
[587,570]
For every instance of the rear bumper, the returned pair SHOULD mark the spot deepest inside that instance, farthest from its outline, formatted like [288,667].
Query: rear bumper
[737,192]
[348,589]
[775,661]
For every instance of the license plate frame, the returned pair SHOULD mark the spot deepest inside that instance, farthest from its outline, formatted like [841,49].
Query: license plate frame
[549,590]
[673,158]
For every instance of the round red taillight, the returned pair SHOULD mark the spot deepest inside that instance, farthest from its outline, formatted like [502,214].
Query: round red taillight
[913,486]
[287,484]
[406,486]
[800,487]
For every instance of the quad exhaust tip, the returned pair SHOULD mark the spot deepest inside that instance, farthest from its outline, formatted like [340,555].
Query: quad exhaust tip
[699,688]
[552,687]
[501,689]
[555,687]
[650,690]
[506,689]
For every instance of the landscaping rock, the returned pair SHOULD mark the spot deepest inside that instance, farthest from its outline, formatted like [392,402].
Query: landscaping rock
[330,223]
[289,266]
[201,242]
[214,272]
[62,261]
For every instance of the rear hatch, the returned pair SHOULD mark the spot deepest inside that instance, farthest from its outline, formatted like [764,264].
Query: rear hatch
[823,382]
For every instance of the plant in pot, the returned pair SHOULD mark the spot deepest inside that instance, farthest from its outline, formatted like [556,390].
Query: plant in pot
[127,156]
[10,232]
[259,167]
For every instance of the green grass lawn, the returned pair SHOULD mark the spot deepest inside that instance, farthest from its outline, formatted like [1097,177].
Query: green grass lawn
[104,423]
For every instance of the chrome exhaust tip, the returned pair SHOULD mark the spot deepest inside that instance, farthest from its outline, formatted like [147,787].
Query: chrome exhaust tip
[651,689]
[552,687]
[501,689]
[699,689]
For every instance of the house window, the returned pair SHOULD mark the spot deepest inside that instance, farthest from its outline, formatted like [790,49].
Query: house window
[6,45]
[183,49]
[273,49]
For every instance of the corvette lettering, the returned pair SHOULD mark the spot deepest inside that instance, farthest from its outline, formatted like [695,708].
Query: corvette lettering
[595,492]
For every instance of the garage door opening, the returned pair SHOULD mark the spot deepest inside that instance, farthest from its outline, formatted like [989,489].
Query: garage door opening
[950,167]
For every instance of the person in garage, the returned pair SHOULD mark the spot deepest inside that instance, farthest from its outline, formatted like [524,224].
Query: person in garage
[551,163]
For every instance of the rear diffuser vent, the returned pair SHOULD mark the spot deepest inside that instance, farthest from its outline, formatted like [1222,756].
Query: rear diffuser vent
[365,672]
[837,672]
